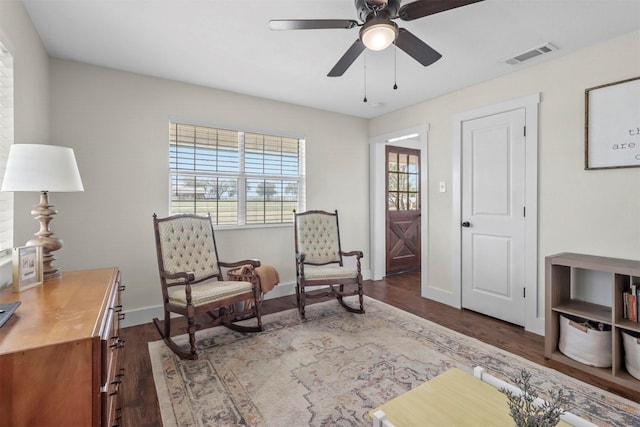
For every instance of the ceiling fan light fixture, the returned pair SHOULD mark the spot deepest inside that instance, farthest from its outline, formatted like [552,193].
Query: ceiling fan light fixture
[378,34]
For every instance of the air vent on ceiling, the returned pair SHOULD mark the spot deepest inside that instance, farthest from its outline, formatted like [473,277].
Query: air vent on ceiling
[531,53]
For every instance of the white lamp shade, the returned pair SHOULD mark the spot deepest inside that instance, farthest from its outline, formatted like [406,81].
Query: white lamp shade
[36,167]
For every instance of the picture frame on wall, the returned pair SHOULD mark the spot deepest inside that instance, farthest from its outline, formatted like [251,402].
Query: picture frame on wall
[612,125]
[27,267]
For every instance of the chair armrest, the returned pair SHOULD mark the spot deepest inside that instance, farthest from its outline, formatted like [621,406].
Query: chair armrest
[357,254]
[252,262]
[300,257]
[187,276]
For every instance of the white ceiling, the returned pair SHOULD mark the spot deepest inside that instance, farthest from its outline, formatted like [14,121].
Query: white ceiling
[226,44]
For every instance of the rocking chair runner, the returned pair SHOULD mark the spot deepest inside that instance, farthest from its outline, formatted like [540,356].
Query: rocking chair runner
[319,260]
[192,281]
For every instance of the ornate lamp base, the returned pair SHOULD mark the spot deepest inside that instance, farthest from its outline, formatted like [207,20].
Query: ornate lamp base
[44,214]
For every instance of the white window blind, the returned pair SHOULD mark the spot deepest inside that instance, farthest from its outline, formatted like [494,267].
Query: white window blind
[6,139]
[240,178]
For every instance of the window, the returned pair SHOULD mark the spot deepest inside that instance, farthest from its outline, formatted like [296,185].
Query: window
[403,179]
[6,139]
[240,178]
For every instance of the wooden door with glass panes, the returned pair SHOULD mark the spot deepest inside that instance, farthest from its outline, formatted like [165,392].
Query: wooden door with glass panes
[403,209]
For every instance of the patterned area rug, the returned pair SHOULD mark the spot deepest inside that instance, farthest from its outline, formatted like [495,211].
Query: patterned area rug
[332,369]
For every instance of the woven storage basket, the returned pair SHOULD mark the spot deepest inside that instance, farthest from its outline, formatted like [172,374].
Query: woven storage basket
[242,274]
[589,346]
[631,354]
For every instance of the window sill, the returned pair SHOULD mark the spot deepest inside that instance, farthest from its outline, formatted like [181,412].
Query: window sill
[251,226]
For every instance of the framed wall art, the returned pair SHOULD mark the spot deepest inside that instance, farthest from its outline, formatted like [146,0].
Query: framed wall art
[612,125]
[27,267]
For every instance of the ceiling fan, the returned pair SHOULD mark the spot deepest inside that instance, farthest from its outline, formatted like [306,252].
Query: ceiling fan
[378,31]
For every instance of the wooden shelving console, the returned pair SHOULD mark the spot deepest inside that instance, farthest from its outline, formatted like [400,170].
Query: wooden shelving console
[559,300]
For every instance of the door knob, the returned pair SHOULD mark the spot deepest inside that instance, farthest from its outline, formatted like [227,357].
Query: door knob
[466,224]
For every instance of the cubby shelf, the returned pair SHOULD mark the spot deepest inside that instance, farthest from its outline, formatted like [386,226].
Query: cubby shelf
[595,312]
[559,300]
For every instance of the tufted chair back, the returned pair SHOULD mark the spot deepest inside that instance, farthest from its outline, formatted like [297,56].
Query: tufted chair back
[187,243]
[318,237]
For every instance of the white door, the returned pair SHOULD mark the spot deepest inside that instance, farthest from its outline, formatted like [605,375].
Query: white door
[493,210]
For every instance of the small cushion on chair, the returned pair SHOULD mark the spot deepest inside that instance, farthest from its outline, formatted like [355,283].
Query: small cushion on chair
[208,291]
[315,273]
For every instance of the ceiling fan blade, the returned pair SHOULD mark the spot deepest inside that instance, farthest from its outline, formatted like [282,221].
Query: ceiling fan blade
[347,59]
[311,24]
[422,8]
[416,48]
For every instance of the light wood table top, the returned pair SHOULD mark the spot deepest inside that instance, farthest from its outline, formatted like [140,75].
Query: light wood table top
[453,398]
[61,310]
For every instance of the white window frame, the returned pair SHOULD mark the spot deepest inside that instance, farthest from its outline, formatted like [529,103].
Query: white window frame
[242,176]
[6,140]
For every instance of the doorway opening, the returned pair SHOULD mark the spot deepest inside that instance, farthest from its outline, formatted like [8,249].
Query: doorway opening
[411,138]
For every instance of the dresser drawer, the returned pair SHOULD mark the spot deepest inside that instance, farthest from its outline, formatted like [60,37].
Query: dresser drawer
[112,346]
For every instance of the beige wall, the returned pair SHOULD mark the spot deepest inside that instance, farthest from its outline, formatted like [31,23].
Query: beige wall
[31,101]
[117,123]
[593,212]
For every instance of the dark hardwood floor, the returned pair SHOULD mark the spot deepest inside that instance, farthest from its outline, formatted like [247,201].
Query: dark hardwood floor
[139,401]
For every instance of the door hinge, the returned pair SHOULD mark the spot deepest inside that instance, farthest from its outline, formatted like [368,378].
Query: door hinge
[525,131]
[524,292]
[524,211]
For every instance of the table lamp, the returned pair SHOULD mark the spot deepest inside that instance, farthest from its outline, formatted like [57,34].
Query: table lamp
[43,168]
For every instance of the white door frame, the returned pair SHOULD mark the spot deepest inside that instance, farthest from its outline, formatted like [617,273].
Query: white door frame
[377,195]
[534,315]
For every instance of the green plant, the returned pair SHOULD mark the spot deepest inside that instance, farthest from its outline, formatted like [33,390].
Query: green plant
[527,410]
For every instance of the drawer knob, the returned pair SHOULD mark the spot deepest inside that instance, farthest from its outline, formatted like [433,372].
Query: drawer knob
[117,342]
[116,387]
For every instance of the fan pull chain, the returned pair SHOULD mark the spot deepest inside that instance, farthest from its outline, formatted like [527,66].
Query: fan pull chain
[395,67]
[365,77]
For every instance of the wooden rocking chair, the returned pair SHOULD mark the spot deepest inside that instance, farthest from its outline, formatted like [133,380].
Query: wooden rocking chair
[319,260]
[192,281]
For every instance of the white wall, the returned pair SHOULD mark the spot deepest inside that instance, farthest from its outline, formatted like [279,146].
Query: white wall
[31,102]
[592,212]
[117,123]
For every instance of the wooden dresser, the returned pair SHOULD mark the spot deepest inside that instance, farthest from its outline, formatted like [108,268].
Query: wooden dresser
[60,355]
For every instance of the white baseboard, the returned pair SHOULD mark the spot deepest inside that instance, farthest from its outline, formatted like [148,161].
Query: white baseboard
[140,316]
[144,315]
[535,326]
[282,290]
